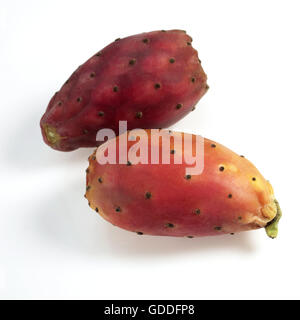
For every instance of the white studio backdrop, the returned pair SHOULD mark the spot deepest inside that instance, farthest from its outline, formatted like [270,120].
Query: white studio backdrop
[52,245]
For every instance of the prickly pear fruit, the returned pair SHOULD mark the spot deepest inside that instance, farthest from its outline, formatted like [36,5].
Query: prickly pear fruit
[151,80]
[229,196]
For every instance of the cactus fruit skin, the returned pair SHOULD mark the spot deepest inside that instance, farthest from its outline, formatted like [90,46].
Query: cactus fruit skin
[157,199]
[152,80]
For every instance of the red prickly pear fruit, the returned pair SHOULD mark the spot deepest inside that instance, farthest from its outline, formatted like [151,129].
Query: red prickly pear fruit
[229,196]
[152,80]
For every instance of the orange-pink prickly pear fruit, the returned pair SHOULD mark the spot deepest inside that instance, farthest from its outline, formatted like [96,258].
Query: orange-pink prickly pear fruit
[229,196]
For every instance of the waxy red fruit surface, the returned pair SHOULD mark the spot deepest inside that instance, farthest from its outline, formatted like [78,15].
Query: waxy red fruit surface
[151,80]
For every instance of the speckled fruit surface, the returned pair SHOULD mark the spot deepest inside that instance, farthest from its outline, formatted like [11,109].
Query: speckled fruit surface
[229,196]
[151,80]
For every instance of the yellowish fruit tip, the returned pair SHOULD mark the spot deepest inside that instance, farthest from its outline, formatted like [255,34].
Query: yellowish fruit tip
[272,226]
[51,134]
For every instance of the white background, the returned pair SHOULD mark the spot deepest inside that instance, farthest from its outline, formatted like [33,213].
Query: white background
[52,245]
